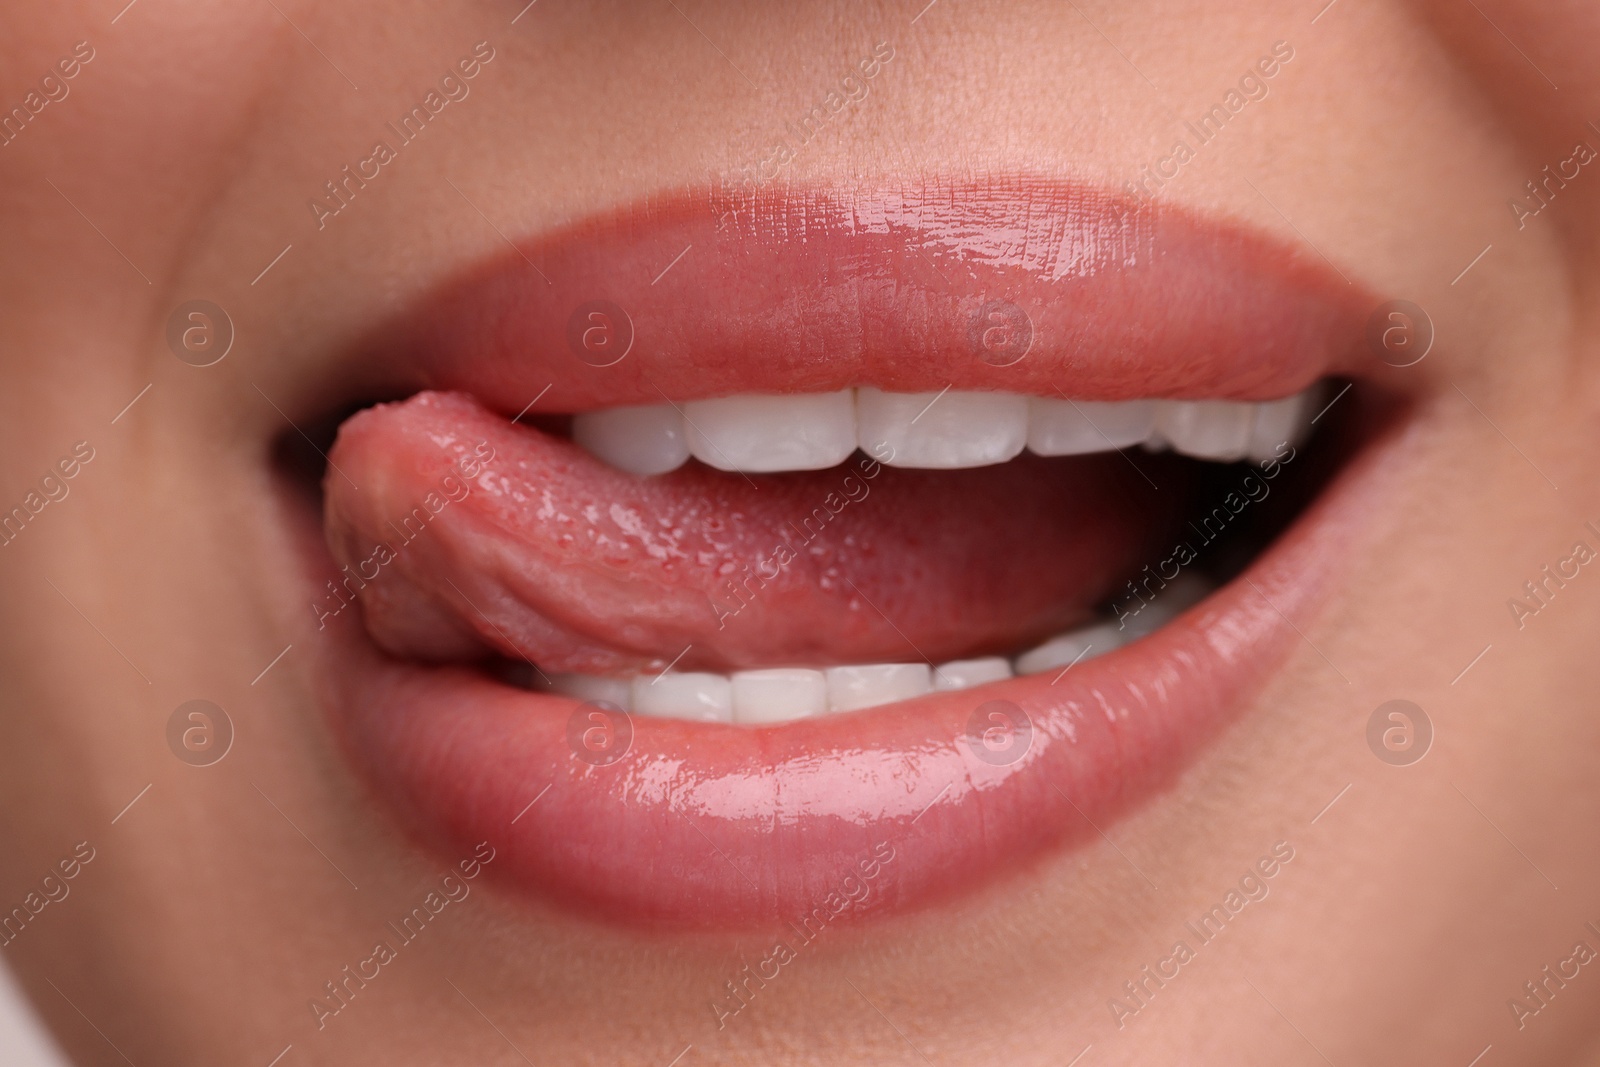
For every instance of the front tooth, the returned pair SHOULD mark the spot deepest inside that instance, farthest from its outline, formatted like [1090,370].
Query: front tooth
[778,695]
[1207,429]
[966,673]
[1072,647]
[701,697]
[869,685]
[941,431]
[806,432]
[616,691]
[1280,422]
[1075,427]
[640,440]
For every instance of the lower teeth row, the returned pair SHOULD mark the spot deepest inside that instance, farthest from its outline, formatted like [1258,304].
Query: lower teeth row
[781,694]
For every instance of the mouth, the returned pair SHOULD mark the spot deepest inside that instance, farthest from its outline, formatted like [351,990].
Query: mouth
[738,558]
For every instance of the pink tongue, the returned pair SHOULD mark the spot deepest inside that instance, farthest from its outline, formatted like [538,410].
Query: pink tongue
[468,531]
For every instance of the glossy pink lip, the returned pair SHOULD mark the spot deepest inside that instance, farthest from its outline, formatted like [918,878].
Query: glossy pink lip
[721,827]
[811,291]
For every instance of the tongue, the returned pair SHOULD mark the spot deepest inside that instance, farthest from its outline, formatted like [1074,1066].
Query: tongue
[469,534]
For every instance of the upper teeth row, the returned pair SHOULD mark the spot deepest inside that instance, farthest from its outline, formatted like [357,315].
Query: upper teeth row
[944,430]
[763,697]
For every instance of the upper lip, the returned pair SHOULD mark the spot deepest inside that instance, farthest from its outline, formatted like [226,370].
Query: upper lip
[717,293]
[821,290]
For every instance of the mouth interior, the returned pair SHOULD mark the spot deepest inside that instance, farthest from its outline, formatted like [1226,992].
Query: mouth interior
[757,560]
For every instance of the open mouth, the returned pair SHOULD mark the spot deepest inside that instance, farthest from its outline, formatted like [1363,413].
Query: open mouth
[738,589]
[732,550]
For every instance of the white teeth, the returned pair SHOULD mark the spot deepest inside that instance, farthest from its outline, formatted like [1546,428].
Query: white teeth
[966,673]
[938,431]
[941,430]
[1207,429]
[810,431]
[869,685]
[1280,422]
[1076,427]
[703,697]
[639,440]
[1073,647]
[781,694]
[778,695]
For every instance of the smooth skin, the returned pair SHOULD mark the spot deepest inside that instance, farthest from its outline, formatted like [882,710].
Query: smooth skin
[182,162]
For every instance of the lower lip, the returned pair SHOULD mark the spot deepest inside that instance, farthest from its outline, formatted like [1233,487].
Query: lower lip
[706,826]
